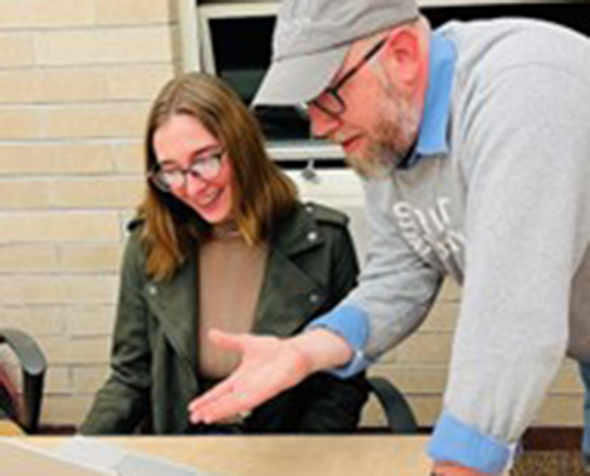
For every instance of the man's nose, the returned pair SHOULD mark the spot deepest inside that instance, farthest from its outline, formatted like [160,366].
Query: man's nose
[322,125]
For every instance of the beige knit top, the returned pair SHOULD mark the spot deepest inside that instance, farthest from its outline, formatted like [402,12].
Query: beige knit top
[231,274]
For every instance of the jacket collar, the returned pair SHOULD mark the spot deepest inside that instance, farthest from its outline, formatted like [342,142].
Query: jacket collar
[297,233]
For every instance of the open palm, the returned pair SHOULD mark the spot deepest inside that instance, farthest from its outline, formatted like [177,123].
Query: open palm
[269,365]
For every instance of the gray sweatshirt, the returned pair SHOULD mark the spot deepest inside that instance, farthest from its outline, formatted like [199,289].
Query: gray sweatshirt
[506,213]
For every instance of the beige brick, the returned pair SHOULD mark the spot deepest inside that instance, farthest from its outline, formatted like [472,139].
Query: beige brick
[97,192]
[100,121]
[388,358]
[414,379]
[450,291]
[25,290]
[116,12]
[89,351]
[426,408]
[43,227]
[24,193]
[567,380]
[70,352]
[65,409]
[58,380]
[39,14]
[19,86]
[88,380]
[16,50]
[16,123]
[104,46]
[67,85]
[90,258]
[442,317]
[563,410]
[423,348]
[129,157]
[95,321]
[373,416]
[139,82]
[37,320]
[28,259]
[90,289]
[83,84]
[54,158]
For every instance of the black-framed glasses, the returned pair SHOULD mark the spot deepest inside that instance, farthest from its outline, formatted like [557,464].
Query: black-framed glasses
[170,176]
[330,102]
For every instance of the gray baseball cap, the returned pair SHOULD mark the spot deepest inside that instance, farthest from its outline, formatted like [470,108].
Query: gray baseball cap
[311,39]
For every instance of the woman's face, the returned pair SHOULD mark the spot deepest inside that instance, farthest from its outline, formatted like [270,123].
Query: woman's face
[181,144]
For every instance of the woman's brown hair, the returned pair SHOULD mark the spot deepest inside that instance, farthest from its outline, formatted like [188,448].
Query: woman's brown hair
[262,194]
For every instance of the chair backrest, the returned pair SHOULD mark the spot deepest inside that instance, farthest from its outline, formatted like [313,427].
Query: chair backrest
[25,411]
[398,412]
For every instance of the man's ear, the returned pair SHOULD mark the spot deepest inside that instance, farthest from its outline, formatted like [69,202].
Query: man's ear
[405,57]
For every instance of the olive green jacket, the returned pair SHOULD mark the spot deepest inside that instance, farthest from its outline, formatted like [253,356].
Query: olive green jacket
[311,266]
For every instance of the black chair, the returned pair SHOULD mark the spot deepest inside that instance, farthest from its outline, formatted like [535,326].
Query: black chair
[398,412]
[25,413]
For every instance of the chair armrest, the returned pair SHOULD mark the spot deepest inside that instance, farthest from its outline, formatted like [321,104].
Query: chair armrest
[33,365]
[399,414]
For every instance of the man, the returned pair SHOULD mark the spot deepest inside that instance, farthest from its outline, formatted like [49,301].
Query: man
[474,145]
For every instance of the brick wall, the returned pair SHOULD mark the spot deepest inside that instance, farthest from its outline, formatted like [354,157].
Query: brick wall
[76,79]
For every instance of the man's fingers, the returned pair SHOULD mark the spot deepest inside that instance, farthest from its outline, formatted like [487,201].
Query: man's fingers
[229,405]
[215,393]
[232,399]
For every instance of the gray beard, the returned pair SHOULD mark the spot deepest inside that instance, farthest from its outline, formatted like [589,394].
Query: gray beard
[395,134]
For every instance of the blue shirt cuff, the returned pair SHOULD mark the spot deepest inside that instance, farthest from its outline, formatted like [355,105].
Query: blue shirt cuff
[350,323]
[455,442]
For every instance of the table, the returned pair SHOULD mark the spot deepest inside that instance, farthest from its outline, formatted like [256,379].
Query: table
[363,455]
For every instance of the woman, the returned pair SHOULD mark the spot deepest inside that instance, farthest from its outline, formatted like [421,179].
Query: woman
[220,242]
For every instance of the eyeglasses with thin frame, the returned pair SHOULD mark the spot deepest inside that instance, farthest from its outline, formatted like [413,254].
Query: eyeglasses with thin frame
[330,102]
[168,177]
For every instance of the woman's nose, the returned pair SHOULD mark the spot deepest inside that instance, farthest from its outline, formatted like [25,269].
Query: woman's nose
[194,185]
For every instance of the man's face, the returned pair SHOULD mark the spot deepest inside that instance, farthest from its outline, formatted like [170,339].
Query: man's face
[376,124]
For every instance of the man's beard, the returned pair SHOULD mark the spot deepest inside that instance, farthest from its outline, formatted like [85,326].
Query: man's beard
[394,135]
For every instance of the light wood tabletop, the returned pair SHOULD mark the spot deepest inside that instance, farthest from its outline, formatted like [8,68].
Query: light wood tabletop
[365,455]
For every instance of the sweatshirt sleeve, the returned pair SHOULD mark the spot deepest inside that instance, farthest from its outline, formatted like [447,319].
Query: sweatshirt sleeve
[396,288]
[527,227]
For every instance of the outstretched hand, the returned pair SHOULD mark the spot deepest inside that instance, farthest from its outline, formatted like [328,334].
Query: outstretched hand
[269,365]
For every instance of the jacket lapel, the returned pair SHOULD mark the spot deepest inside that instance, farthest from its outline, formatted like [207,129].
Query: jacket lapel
[174,303]
[290,296]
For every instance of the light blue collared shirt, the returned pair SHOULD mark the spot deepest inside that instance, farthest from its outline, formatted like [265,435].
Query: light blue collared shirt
[432,137]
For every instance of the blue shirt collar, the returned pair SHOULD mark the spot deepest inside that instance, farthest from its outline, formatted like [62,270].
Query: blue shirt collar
[432,137]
